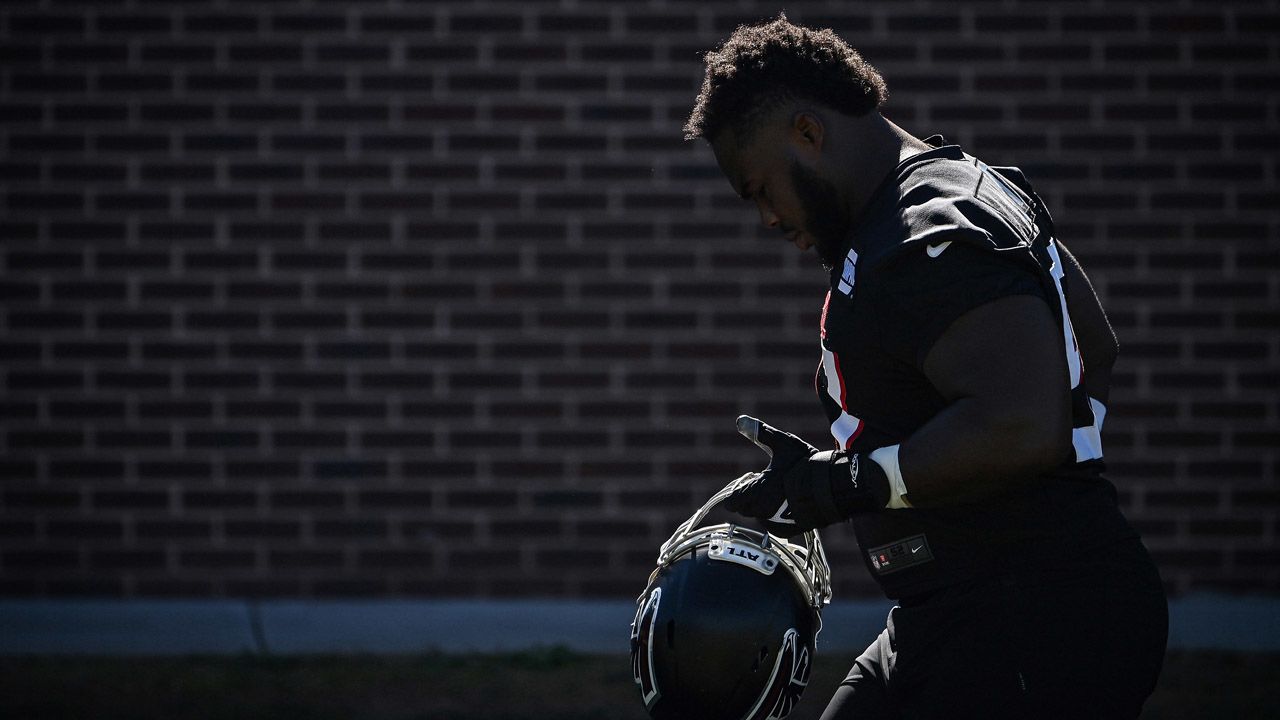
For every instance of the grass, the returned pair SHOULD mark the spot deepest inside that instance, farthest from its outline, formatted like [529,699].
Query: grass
[547,684]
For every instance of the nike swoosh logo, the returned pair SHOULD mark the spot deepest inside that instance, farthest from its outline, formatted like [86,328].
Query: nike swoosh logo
[936,250]
[915,550]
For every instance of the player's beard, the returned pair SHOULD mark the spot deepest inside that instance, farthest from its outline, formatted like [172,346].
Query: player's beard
[824,215]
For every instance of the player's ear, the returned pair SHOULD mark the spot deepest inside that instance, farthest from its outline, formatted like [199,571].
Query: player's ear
[807,129]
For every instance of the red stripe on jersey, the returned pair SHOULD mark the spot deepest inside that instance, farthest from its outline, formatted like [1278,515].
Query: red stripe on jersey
[844,404]
[840,377]
[848,444]
[822,325]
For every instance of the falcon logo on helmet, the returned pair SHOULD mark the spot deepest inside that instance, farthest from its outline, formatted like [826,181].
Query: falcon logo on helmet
[718,634]
[790,678]
[642,647]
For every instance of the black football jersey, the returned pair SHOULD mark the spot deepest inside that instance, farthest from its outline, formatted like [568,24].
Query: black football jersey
[942,235]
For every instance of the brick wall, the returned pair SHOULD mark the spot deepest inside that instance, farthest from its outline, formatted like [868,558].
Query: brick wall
[392,298]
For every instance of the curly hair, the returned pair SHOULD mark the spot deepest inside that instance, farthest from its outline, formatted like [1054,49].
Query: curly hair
[761,67]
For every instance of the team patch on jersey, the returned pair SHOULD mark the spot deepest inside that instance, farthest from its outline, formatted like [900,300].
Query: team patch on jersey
[900,554]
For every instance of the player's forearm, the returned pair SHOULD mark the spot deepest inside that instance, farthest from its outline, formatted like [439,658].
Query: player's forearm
[974,449]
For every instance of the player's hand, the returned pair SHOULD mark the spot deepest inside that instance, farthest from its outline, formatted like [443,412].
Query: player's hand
[804,488]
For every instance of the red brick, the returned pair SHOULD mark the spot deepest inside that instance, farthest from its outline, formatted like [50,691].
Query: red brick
[274,280]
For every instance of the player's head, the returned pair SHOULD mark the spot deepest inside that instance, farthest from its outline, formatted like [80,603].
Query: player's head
[761,106]
[772,66]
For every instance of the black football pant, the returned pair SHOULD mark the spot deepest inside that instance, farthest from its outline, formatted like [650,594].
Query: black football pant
[1081,640]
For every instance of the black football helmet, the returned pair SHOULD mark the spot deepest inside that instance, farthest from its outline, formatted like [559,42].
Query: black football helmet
[726,628]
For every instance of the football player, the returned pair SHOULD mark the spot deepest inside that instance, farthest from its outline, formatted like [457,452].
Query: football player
[964,370]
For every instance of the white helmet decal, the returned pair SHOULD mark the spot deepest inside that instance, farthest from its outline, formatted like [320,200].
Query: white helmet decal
[642,648]
[789,679]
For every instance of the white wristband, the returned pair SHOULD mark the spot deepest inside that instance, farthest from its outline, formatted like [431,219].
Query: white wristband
[887,458]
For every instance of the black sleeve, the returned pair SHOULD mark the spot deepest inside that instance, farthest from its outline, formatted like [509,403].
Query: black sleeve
[1098,345]
[921,291]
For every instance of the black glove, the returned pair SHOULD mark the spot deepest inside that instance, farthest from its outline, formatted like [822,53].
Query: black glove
[804,488]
